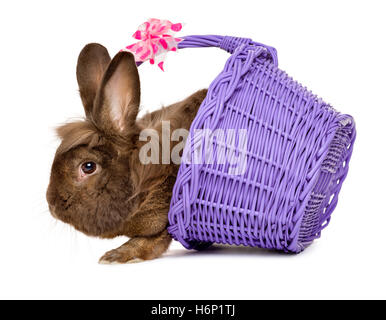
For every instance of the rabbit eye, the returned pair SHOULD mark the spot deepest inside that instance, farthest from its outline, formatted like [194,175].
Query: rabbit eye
[88,167]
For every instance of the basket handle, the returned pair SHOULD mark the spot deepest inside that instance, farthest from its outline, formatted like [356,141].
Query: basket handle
[226,43]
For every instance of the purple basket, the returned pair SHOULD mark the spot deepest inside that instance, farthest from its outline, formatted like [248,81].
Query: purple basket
[294,157]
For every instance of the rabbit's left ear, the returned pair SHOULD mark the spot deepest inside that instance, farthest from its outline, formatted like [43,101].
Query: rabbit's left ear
[117,104]
[92,64]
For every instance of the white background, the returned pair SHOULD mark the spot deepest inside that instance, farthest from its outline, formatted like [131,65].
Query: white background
[337,48]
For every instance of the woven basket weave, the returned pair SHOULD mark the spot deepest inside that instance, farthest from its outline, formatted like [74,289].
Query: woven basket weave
[297,155]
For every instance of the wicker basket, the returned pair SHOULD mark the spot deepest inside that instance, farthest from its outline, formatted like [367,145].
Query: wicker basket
[297,153]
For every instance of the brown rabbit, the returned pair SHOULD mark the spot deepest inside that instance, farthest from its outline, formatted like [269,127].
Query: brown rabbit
[98,184]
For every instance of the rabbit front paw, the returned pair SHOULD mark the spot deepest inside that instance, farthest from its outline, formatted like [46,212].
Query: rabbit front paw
[118,256]
[138,249]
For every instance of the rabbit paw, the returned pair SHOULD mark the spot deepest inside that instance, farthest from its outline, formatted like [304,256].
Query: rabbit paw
[118,256]
[138,249]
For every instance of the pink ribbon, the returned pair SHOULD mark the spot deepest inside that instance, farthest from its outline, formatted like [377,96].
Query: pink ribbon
[156,39]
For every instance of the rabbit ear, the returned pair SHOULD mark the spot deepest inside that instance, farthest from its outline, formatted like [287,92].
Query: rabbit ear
[117,103]
[92,63]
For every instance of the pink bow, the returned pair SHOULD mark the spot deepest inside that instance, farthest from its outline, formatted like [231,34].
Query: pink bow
[156,40]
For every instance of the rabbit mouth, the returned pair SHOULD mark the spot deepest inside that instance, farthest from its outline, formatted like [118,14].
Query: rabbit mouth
[52,211]
[58,203]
